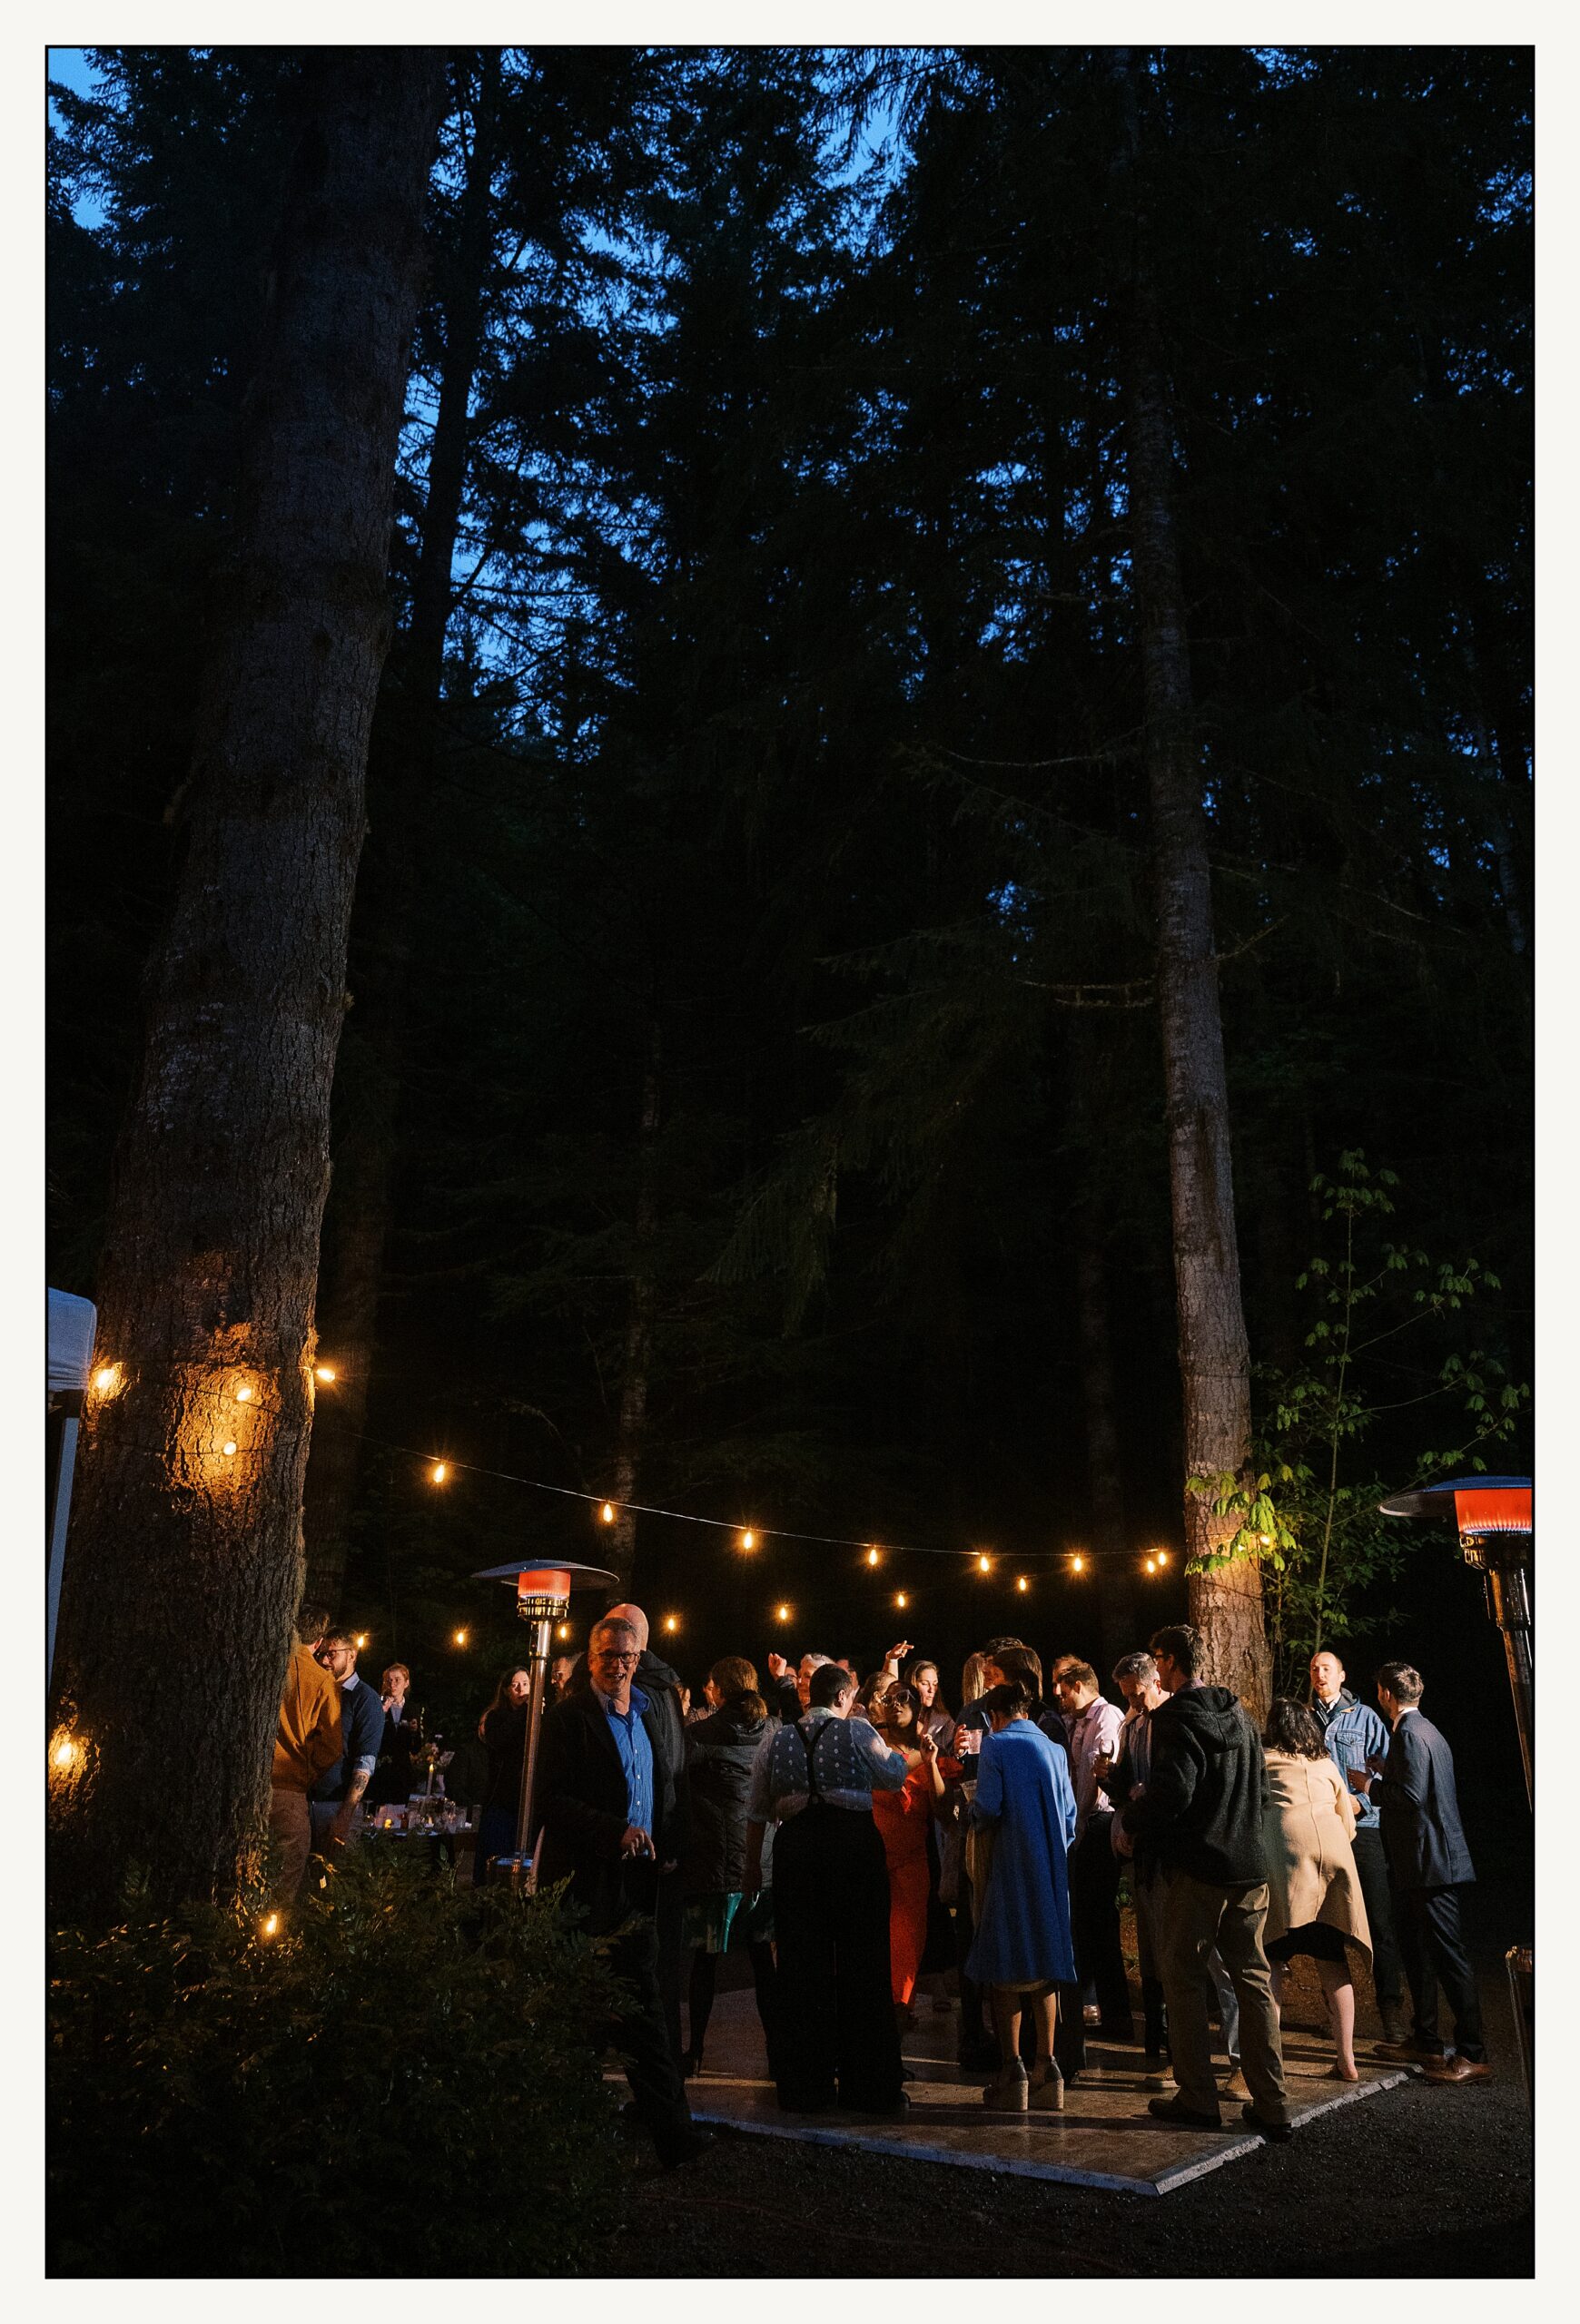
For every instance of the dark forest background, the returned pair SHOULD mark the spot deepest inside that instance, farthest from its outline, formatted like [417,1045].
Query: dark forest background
[749,1099]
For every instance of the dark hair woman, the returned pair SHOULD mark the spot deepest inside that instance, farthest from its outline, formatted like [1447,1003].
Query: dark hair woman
[907,1821]
[504,1733]
[922,1678]
[1023,1950]
[720,1752]
[1315,1905]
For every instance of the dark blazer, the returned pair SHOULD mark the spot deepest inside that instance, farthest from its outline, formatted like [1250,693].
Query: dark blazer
[1423,1837]
[580,1805]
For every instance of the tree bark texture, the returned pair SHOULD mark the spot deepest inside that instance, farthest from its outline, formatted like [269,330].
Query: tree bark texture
[639,1354]
[1226,1605]
[362,1200]
[185,1562]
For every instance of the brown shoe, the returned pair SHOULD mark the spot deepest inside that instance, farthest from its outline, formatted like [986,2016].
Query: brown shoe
[1237,2086]
[1457,2068]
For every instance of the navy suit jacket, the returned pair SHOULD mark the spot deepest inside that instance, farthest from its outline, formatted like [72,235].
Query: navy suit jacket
[1423,1837]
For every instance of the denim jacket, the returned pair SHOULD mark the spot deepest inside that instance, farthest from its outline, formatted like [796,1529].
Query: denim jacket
[1352,1731]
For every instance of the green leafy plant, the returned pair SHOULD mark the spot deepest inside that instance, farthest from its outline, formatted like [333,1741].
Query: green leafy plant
[1308,1508]
[402,2077]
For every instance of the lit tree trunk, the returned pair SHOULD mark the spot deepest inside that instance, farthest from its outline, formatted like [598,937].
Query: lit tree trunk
[1226,1605]
[362,1207]
[638,1356]
[185,1564]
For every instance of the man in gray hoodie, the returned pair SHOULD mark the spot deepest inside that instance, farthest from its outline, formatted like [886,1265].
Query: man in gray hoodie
[1199,1824]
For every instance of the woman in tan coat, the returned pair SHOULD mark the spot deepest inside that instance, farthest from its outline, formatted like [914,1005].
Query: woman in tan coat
[1314,1901]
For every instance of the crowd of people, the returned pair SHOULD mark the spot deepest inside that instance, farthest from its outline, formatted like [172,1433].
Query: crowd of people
[868,1851]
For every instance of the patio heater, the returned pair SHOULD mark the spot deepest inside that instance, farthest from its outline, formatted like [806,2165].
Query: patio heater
[542,1597]
[1492,1515]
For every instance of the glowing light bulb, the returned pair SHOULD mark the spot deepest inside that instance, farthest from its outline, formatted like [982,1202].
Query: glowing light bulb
[748,1539]
[65,1752]
[271,1925]
[899,1599]
[985,1565]
[105,1378]
[607,1513]
[437,1473]
[1022,1583]
[460,1638]
[563,1631]
[243,1396]
[1151,1565]
[1077,1565]
[871,1557]
[228,1447]
[781,1613]
[325,1371]
[1162,1557]
[361,1640]
[672,1621]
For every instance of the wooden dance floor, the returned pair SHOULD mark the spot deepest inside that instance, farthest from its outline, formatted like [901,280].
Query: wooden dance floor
[1105,2136]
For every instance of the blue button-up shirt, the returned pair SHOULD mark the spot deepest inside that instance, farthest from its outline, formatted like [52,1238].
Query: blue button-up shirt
[636,1749]
[1352,1731]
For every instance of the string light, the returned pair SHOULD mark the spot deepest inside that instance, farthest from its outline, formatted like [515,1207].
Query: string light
[985,1565]
[781,1613]
[460,1638]
[672,1623]
[563,1631]
[437,1473]
[326,1372]
[607,1513]
[106,1377]
[228,1447]
[361,1640]
[65,1752]
[1151,1565]
[244,1395]
[901,1599]
[871,1557]
[748,1539]
[270,1927]
[1078,1563]
[1162,1557]
[1022,1583]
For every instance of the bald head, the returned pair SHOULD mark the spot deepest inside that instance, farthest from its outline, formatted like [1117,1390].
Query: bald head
[636,1618]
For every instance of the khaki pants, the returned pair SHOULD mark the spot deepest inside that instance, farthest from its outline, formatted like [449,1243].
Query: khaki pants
[1189,1918]
[290,1829]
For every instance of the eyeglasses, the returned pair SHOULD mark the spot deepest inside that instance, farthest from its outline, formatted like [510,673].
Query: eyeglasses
[605,1654]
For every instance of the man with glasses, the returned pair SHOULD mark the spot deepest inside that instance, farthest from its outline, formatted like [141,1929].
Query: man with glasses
[607,1805]
[333,1799]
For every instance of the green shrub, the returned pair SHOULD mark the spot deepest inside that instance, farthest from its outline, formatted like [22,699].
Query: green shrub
[402,2081]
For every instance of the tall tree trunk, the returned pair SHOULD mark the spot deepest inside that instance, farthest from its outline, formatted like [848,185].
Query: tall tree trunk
[1226,1605]
[362,1207]
[1116,1601]
[185,1564]
[638,1356]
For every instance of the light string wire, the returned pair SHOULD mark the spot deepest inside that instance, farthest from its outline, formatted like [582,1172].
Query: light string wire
[734,1525]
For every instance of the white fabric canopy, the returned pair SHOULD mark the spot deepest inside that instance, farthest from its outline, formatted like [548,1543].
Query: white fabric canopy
[71,1324]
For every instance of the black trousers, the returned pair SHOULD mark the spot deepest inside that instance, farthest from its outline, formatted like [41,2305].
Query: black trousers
[642,2038]
[831,1924]
[1388,1970]
[1094,1924]
[669,1919]
[1432,1941]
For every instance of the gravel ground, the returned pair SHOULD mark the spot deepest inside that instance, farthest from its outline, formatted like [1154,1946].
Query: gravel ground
[1432,2183]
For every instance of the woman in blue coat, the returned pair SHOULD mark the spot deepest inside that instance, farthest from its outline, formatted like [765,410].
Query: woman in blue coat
[1022,1949]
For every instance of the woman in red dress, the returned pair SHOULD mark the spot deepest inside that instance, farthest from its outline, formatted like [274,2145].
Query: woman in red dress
[902,1818]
